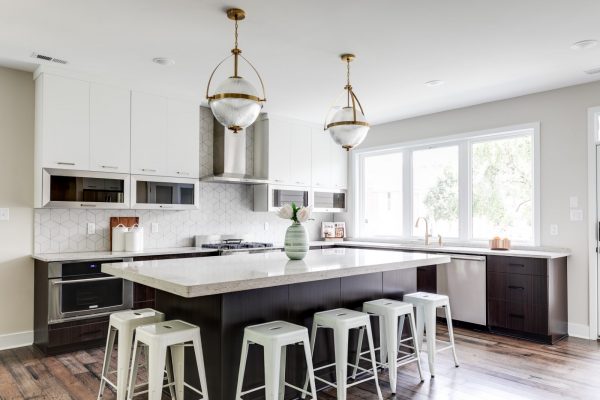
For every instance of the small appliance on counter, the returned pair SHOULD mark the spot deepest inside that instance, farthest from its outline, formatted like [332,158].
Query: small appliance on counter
[333,231]
[499,244]
[233,244]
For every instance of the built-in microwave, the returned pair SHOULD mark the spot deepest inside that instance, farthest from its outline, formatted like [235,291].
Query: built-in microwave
[79,189]
[156,192]
[269,197]
[329,200]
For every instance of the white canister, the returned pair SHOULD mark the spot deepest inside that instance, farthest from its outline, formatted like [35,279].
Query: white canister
[134,239]
[118,237]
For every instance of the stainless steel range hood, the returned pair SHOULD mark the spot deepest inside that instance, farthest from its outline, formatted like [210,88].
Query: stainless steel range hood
[229,158]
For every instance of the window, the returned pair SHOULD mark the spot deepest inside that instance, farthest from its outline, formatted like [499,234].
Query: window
[383,196]
[470,187]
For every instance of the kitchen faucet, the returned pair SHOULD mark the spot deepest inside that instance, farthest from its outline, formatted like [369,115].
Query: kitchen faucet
[427,235]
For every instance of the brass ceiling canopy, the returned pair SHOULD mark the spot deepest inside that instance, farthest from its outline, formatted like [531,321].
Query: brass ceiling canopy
[236,14]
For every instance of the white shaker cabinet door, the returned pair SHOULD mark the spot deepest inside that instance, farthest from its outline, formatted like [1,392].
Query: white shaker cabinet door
[183,139]
[64,118]
[148,134]
[109,129]
[300,154]
[321,157]
[280,133]
[339,166]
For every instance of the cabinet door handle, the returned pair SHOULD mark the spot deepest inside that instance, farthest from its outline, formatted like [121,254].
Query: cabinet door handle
[516,315]
[65,163]
[165,206]
[109,167]
[148,170]
[182,173]
[87,205]
[516,287]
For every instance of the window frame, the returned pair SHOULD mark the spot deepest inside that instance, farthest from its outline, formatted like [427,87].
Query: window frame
[464,141]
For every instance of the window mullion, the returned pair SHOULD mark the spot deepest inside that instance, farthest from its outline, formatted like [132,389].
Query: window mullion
[407,210]
[464,191]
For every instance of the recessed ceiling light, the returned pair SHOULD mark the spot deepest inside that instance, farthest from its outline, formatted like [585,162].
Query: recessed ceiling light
[584,44]
[163,61]
[435,82]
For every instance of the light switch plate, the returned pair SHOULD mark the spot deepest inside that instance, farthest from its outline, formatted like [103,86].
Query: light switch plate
[91,228]
[553,229]
[4,214]
[573,202]
[155,227]
[577,215]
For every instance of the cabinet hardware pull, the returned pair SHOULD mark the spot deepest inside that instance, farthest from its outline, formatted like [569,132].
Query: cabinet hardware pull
[182,173]
[516,287]
[109,167]
[65,163]
[148,170]
[165,206]
[97,331]
[516,315]
[87,205]
[517,265]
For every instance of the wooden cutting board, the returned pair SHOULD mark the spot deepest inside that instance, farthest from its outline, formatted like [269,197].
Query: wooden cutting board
[126,221]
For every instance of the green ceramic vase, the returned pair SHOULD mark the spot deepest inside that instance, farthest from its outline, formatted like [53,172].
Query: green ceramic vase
[296,241]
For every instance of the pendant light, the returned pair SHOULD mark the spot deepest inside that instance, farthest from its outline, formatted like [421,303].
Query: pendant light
[235,103]
[347,124]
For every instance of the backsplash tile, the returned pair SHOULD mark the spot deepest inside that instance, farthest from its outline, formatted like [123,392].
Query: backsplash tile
[224,208]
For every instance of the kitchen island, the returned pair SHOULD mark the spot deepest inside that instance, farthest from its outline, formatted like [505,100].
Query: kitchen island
[222,295]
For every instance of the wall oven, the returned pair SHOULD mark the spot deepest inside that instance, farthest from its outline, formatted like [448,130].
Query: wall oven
[155,192]
[269,197]
[81,189]
[329,201]
[80,290]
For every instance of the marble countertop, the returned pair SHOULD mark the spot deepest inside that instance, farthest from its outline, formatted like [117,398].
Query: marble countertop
[202,276]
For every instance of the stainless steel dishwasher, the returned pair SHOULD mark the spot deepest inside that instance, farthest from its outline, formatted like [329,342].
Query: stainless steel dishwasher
[463,280]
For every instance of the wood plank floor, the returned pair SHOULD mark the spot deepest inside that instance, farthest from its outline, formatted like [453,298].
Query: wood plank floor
[492,367]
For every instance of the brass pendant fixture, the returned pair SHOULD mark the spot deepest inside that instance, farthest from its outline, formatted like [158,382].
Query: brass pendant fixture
[347,124]
[235,103]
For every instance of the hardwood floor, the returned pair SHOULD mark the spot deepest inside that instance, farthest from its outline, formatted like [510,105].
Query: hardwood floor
[492,367]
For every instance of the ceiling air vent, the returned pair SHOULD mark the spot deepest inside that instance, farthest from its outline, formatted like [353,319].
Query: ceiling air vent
[592,71]
[48,58]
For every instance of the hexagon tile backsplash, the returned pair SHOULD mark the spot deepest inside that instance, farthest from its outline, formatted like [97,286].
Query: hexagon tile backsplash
[224,208]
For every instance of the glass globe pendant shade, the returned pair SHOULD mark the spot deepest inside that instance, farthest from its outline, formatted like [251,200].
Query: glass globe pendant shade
[235,104]
[344,129]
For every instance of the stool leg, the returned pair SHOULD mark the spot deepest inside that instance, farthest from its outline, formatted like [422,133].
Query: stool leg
[451,333]
[282,373]
[313,338]
[340,339]
[123,363]
[200,363]
[374,366]
[242,369]
[110,342]
[170,373]
[272,367]
[361,333]
[429,314]
[391,335]
[413,332]
[401,328]
[137,349]
[383,352]
[178,361]
[420,315]
[156,374]
[310,373]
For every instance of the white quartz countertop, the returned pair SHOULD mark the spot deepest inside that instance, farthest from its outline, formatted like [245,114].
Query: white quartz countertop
[202,276]
[108,255]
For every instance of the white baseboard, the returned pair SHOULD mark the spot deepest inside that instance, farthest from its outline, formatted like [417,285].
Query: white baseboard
[17,339]
[579,331]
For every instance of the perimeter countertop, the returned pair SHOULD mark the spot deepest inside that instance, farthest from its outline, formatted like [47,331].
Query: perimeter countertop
[202,276]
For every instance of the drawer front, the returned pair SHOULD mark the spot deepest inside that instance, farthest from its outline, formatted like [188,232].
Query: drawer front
[496,286]
[496,313]
[518,288]
[517,265]
[77,334]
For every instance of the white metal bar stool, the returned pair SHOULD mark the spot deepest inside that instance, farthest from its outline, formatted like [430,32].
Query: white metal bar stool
[341,321]
[389,313]
[175,336]
[123,324]
[274,337]
[427,305]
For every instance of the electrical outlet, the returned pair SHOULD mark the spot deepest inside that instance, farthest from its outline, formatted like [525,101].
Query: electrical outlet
[4,214]
[576,215]
[553,229]
[573,202]
[155,227]
[266,226]
[91,228]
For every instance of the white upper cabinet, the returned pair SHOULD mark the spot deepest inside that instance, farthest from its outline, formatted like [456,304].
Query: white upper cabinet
[279,138]
[109,129]
[148,134]
[339,166]
[183,139]
[321,158]
[62,122]
[300,154]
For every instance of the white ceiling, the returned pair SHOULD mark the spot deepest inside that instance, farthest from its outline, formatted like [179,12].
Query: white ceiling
[484,50]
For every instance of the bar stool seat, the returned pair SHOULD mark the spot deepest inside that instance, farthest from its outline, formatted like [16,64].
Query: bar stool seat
[122,325]
[175,336]
[427,305]
[341,321]
[389,313]
[274,337]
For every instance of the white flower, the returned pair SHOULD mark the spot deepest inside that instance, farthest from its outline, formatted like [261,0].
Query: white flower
[285,212]
[304,214]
